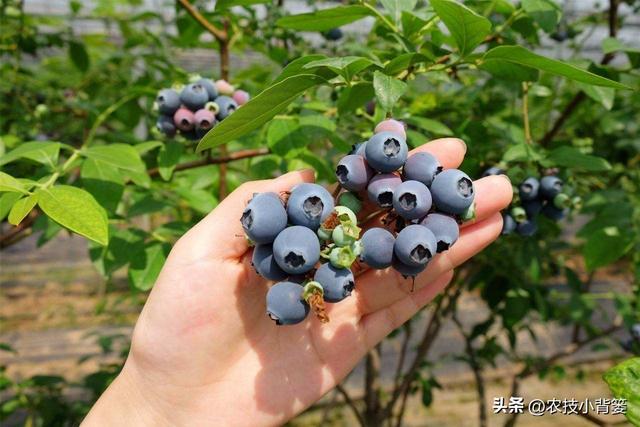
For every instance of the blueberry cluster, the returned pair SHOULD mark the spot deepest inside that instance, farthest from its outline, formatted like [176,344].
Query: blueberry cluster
[308,244]
[195,108]
[547,196]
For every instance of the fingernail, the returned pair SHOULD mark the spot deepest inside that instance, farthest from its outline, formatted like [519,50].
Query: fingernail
[506,177]
[464,145]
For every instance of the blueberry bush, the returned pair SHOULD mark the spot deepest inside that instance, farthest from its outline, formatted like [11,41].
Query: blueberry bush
[80,153]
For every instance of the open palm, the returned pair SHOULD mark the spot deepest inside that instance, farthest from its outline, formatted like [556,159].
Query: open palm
[205,353]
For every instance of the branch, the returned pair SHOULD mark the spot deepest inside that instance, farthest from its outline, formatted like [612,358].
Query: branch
[15,234]
[350,404]
[219,34]
[580,96]
[237,155]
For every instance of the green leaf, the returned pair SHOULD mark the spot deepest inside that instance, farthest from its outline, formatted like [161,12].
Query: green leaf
[76,210]
[467,27]
[296,67]
[396,7]
[433,126]
[104,182]
[624,382]
[9,183]
[145,265]
[122,156]
[388,90]
[606,246]
[45,152]
[545,12]
[144,147]
[168,158]
[259,110]
[354,97]
[22,208]
[509,71]
[603,95]
[403,62]
[346,66]
[200,200]
[324,19]
[6,203]
[521,56]
[571,157]
[78,55]
[225,4]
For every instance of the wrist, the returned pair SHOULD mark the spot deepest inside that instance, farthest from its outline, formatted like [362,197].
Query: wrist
[125,403]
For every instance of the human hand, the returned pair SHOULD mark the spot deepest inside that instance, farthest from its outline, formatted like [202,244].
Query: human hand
[205,353]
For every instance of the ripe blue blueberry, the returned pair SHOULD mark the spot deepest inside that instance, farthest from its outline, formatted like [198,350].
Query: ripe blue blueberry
[415,245]
[422,167]
[529,189]
[452,191]
[412,200]
[210,86]
[168,101]
[353,173]
[407,270]
[377,247]
[226,105]
[381,188]
[527,228]
[493,170]
[359,148]
[194,96]
[296,249]
[166,125]
[333,34]
[550,187]
[532,207]
[508,224]
[264,218]
[264,263]
[309,205]
[285,304]
[337,283]
[444,227]
[386,151]
[553,212]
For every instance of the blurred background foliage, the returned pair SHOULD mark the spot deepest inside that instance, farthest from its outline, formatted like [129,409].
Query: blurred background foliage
[78,151]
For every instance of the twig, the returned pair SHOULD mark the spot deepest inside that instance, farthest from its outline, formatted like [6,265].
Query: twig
[215,31]
[372,387]
[349,402]
[525,113]
[237,155]
[15,234]
[575,335]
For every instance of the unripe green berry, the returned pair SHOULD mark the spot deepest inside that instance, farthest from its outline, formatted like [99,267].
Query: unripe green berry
[346,215]
[344,235]
[342,257]
[562,201]
[519,214]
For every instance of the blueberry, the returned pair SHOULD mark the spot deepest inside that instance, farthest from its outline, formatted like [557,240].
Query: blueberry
[377,247]
[422,167]
[508,224]
[529,189]
[168,101]
[532,208]
[635,331]
[241,97]
[337,283]
[550,187]
[552,212]
[415,245]
[264,263]
[370,107]
[166,125]
[353,173]
[210,86]
[333,34]
[226,106]
[224,87]
[493,170]
[296,249]
[204,119]
[264,218]
[381,188]
[452,191]
[358,148]
[386,151]
[194,96]
[285,304]
[391,125]
[407,270]
[184,120]
[444,227]
[309,205]
[527,228]
[411,200]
